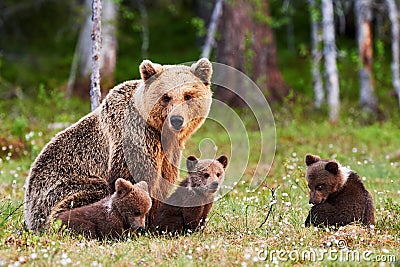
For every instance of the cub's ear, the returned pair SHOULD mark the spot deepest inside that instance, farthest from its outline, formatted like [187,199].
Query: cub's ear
[310,159]
[191,162]
[223,160]
[122,187]
[332,167]
[142,185]
[203,70]
[148,69]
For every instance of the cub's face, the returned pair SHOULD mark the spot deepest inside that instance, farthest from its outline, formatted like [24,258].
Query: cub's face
[133,202]
[323,178]
[207,174]
[175,98]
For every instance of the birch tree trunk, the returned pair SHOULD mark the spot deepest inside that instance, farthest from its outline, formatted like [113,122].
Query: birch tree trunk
[95,93]
[210,40]
[316,54]
[332,81]
[82,62]
[144,17]
[84,42]
[363,13]
[394,19]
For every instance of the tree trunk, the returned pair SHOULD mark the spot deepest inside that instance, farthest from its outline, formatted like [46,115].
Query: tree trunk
[108,58]
[288,12]
[246,42]
[364,37]
[275,87]
[316,54]
[79,82]
[210,40]
[145,28]
[332,81]
[341,16]
[95,93]
[82,58]
[394,19]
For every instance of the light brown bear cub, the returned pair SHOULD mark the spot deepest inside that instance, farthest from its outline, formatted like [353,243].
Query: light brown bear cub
[338,194]
[188,207]
[112,216]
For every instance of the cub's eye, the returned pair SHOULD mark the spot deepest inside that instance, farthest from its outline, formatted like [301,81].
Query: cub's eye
[137,213]
[188,97]
[218,174]
[319,187]
[166,98]
[206,175]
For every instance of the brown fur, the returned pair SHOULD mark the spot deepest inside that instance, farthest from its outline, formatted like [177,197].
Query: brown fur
[338,194]
[188,207]
[113,216]
[130,135]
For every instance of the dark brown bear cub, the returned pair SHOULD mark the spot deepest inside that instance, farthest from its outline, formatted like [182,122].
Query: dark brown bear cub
[112,216]
[338,194]
[187,208]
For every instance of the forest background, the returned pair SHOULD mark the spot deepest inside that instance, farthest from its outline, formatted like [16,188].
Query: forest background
[282,45]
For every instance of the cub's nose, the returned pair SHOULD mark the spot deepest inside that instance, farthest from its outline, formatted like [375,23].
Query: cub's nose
[313,202]
[214,185]
[176,122]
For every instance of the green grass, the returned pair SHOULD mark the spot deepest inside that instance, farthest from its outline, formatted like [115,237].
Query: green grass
[244,224]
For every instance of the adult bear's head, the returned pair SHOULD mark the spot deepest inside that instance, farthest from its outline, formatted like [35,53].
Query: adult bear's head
[175,98]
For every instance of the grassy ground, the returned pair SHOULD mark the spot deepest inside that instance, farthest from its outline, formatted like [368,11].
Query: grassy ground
[245,227]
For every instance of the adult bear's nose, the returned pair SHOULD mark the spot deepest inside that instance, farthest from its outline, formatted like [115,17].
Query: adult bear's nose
[176,122]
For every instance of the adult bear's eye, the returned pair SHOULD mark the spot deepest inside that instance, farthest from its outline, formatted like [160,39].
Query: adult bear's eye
[319,187]
[166,98]
[188,97]
[137,213]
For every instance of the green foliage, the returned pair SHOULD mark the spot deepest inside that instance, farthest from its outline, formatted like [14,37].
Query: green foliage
[9,212]
[248,53]
[243,222]
[172,28]
[20,126]
[198,23]
[390,218]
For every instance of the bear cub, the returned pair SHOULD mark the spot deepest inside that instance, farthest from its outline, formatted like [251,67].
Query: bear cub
[338,194]
[187,208]
[112,216]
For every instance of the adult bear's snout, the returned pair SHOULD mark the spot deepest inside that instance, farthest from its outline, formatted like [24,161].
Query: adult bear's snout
[176,122]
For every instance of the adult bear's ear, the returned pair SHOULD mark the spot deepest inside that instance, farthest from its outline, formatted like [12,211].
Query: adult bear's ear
[223,160]
[148,69]
[310,159]
[203,70]
[142,185]
[122,187]
[191,162]
[332,167]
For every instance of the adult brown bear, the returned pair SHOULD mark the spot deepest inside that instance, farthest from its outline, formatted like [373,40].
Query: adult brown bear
[137,133]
